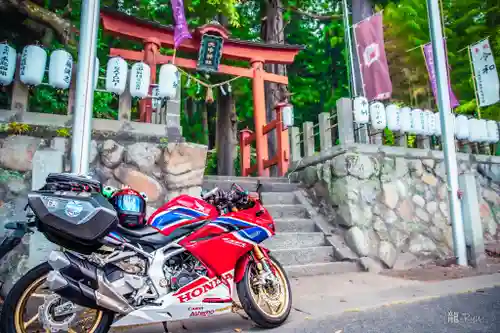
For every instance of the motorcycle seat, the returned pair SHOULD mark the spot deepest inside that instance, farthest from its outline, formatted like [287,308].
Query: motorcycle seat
[137,233]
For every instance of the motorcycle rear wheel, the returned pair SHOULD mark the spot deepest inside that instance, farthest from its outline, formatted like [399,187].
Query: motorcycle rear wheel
[18,317]
[251,296]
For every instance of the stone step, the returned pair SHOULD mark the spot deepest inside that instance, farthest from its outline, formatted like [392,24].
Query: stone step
[295,225]
[303,256]
[286,240]
[250,186]
[287,211]
[237,179]
[327,268]
[272,198]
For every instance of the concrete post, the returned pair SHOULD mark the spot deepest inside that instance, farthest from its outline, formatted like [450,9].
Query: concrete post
[308,136]
[125,102]
[423,142]
[473,229]
[173,118]
[376,136]
[345,121]
[400,139]
[20,94]
[325,132]
[295,143]
[362,134]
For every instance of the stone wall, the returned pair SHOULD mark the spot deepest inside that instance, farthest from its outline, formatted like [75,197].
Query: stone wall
[162,170]
[390,203]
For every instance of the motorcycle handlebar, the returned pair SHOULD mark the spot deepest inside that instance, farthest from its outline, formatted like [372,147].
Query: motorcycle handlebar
[210,193]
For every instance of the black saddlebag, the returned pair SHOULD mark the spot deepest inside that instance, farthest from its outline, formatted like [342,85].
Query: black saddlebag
[71,182]
[74,220]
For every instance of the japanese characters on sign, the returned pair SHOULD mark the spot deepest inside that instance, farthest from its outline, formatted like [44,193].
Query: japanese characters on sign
[60,68]
[33,63]
[7,64]
[485,71]
[116,75]
[377,115]
[361,113]
[210,53]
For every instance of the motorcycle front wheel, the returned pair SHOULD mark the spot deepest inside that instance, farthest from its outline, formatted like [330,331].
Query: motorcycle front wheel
[267,304]
[27,301]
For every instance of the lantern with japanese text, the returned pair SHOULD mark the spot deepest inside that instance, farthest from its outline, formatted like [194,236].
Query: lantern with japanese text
[437,120]
[431,122]
[377,116]
[483,132]
[7,64]
[60,69]
[474,129]
[155,98]
[405,119]
[33,63]
[169,81]
[361,110]
[462,127]
[425,123]
[287,116]
[418,123]
[392,113]
[116,75]
[493,135]
[140,75]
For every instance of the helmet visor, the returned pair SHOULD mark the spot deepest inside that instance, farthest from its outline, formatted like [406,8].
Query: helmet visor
[130,203]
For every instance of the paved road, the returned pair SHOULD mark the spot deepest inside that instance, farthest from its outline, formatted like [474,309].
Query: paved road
[477,312]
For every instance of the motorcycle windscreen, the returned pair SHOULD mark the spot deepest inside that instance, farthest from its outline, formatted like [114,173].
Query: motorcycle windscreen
[84,216]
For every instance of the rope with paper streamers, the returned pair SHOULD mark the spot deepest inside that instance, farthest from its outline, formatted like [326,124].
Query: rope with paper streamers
[210,93]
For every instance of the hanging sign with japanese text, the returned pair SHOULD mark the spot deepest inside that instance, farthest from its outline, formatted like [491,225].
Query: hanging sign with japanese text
[485,71]
[210,53]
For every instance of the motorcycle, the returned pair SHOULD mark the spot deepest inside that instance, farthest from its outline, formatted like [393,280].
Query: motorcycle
[191,260]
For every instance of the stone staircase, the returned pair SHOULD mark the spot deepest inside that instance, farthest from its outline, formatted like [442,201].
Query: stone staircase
[300,244]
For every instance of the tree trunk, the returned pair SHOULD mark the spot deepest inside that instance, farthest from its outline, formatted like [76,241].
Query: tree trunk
[204,121]
[272,32]
[360,9]
[226,134]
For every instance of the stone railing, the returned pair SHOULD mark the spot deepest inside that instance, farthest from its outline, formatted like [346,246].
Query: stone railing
[340,128]
[391,203]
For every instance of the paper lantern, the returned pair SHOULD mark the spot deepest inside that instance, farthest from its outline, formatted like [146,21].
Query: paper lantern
[287,116]
[60,68]
[431,122]
[474,129]
[483,130]
[116,75]
[168,81]
[493,135]
[377,116]
[32,68]
[462,127]
[7,64]
[392,113]
[361,110]
[418,124]
[155,100]
[140,75]
[406,120]
[425,123]
[96,72]
[437,120]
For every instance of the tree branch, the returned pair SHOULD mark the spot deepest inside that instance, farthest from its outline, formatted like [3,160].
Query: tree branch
[315,16]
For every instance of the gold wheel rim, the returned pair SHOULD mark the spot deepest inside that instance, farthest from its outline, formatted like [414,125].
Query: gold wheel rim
[23,325]
[279,303]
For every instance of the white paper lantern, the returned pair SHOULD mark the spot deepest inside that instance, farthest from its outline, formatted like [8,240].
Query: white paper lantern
[140,76]
[425,123]
[493,135]
[437,120]
[7,64]
[116,75]
[418,126]
[156,100]
[60,68]
[287,116]
[392,113]
[462,127]
[33,62]
[483,130]
[406,120]
[474,129]
[168,81]
[377,116]
[96,72]
[431,122]
[361,110]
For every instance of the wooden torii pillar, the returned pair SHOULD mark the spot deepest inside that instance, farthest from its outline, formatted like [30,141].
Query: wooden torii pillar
[154,35]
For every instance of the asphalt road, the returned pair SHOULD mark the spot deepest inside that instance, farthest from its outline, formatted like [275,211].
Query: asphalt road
[477,312]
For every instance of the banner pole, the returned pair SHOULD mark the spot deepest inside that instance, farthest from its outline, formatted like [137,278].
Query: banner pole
[448,139]
[359,61]
[474,83]
[347,32]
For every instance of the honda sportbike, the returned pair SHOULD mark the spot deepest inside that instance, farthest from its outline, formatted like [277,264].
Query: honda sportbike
[191,260]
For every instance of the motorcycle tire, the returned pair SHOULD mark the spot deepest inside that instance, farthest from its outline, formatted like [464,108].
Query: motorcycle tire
[10,320]
[254,310]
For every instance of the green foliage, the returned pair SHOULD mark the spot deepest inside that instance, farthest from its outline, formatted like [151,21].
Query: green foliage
[18,128]
[63,132]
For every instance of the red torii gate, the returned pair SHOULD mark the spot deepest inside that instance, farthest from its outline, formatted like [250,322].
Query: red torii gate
[154,35]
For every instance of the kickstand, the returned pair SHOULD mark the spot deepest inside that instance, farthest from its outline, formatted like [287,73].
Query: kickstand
[165,326]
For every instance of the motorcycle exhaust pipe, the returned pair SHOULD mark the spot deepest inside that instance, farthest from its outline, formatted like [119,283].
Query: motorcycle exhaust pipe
[69,269]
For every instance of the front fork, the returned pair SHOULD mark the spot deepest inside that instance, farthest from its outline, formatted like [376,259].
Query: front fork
[264,268]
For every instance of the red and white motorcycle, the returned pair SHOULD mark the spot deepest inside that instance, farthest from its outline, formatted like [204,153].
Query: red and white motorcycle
[191,260]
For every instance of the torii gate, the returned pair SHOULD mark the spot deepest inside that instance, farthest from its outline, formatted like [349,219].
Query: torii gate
[154,35]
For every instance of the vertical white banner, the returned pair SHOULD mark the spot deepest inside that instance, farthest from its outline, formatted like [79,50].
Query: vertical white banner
[485,71]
